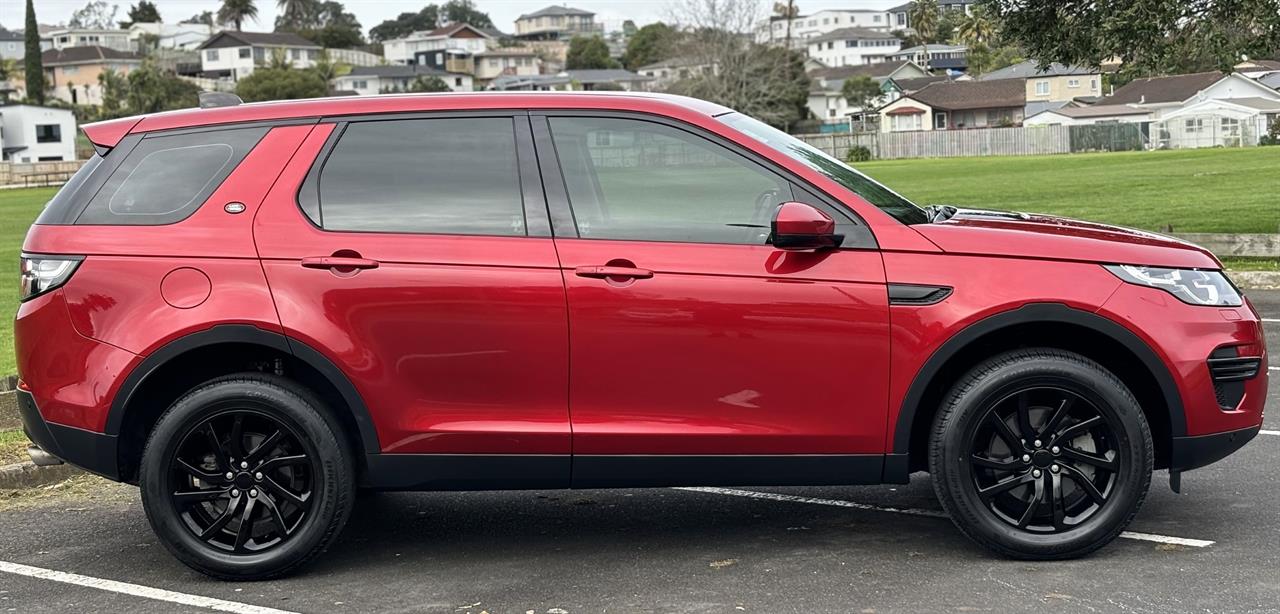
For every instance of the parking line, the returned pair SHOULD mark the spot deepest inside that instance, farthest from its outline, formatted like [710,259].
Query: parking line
[1271,320]
[136,590]
[770,496]
[1265,432]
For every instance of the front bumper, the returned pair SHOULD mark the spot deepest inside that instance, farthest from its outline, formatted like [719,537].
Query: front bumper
[1187,453]
[94,452]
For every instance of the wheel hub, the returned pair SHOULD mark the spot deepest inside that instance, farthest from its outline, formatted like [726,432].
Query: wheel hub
[1042,458]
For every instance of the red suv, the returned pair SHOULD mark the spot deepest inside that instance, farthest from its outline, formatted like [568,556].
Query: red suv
[254,311]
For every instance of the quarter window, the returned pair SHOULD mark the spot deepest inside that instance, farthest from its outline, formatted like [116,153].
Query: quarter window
[439,176]
[638,180]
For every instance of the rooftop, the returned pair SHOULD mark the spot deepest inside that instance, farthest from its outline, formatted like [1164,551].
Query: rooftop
[1153,90]
[854,33]
[231,38]
[553,11]
[1103,110]
[81,55]
[1030,68]
[960,95]
[394,71]
[879,70]
[939,48]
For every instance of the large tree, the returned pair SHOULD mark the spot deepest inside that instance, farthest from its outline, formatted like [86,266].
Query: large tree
[281,84]
[428,84]
[33,63]
[426,19]
[142,12]
[97,14]
[151,90]
[464,11]
[861,91]
[327,24]
[235,12]
[924,19]
[204,17]
[977,27]
[1149,36]
[588,52]
[652,43]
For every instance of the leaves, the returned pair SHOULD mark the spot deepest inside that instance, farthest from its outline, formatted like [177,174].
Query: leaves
[281,84]
[587,52]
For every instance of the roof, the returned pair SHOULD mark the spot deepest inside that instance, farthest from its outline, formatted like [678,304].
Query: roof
[1153,90]
[506,51]
[553,10]
[1104,110]
[82,55]
[901,8]
[450,30]
[938,48]
[10,35]
[851,34]
[877,70]
[1272,80]
[918,83]
[393,71]
[960,95]
[677,62]
[1256,65]
[231,38]
[1030,68]
[1263,105]
[604,75]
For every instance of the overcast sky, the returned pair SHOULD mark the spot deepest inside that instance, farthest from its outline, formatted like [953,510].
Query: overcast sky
[372,12]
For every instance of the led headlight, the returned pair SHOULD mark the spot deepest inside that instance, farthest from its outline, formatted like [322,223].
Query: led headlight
[1191,286]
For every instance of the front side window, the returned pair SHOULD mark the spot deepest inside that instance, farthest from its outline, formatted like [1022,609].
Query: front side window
[436,176]
[638,180]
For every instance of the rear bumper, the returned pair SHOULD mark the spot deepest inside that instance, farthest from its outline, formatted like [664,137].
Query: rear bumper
[94,452]
[1188,453]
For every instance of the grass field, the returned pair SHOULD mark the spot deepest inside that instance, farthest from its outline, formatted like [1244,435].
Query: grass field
[18,208]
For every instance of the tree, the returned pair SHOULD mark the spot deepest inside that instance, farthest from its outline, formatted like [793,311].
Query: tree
[1149,36]
[652,43]
[281,84]
[861,91]
[976,28]
[629,28]
[327,24]
[33,64]
[97,15]
[428,84]
[115,91]
[923,16]
[205,17]
[406,23]
[588,52]
[464,11]
[785,10]
[984,58]
[235,12]
[152,90]
[298,13]
[142,12]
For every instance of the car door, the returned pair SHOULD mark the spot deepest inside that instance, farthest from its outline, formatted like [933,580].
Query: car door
[699,353]
[416,255]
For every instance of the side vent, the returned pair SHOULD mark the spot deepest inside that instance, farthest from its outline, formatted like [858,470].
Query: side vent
[1229,371]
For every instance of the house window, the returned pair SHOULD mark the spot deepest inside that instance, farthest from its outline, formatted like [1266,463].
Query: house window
[457,81]
[1193,125]
[313,54]
[245,53]
[360,85]
[1230,126]
[875,18]
[295,54]
[831,44]
[259,54]
[902,19]
[1042,88]
[1093,84]
[211,55]
[939,121]
[48,133]
[904,123]
[1073,83]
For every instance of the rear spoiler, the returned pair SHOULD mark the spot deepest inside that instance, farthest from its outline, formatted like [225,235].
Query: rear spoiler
[107,134]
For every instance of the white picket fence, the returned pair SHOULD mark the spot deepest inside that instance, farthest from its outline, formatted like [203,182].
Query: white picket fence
[1028,141]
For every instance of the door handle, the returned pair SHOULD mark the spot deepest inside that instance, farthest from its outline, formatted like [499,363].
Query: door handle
[338,262]
[615,272]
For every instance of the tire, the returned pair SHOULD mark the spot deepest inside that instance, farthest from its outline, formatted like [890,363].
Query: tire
[1082,424]
[296,494]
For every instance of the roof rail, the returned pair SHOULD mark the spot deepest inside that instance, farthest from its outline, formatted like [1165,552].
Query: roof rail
[213,100]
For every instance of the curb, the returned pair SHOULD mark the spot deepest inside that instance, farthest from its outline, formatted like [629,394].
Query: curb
[28,475]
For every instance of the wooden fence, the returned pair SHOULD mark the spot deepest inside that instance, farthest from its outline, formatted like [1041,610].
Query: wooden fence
[1028,141]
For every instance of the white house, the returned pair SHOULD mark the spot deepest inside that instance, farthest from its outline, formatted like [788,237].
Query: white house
[662,74]
[806,27]
[461,37]
[852,46]
[371,80]
[235,54]
[12,45]
[37,134]
[557,22]
[508,61]
[184,36]
[940,57]
[900,16]
[1089,115]
[573,81]
[87,37]
[1222,122]
[826,99]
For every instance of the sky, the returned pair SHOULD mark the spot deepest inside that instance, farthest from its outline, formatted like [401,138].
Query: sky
[372,12]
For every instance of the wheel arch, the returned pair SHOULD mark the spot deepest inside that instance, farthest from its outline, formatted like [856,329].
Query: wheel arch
[1051,324]
[131,417]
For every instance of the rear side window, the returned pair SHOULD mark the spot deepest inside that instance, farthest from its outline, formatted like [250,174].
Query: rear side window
[167,177]
[429,176]
[57,210]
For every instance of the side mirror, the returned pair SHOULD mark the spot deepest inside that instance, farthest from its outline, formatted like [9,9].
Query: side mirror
[797,226]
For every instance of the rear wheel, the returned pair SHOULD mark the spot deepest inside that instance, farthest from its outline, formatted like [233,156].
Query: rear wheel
[1041,454]
[244,478]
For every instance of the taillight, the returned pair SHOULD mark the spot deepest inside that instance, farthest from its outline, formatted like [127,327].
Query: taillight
[41,274]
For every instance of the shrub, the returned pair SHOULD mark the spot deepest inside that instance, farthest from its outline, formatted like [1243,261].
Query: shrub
[857,153]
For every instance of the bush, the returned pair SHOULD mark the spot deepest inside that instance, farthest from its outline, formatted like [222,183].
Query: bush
[1273,136]
[858,153]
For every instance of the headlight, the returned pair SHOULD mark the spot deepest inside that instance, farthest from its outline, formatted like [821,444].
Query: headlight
[41,274]
[1191,286]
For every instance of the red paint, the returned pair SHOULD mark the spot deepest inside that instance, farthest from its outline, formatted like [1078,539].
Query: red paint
[498,345]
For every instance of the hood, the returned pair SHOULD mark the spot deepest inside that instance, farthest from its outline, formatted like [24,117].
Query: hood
[1030,235]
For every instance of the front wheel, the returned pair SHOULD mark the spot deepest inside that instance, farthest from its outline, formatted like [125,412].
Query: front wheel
[1041,454]
[244,478]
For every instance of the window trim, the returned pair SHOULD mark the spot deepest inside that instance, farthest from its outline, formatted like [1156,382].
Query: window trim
[562,212]
[536,221]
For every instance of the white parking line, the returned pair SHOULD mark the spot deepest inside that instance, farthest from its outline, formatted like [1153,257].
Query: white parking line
[770,496]
[136,590]
[1270,432]
[1271,319]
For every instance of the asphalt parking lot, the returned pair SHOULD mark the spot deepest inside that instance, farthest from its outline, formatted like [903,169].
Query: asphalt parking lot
[1215,548]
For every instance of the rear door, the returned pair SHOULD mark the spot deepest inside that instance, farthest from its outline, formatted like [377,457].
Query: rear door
[416,254]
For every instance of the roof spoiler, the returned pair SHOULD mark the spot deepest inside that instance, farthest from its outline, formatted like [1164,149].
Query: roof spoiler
[107,134]
[213,100]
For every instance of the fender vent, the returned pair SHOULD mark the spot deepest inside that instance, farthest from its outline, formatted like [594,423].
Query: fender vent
[1229,372]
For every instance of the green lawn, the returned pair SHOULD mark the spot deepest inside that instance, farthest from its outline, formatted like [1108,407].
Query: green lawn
[1205,190]
[18,208]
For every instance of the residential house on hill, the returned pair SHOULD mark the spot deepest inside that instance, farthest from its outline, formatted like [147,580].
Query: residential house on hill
[957,105]
[370,80]
[185,36]
[900,16]
[804,28]
[71,74]
[508,61]
[574,80]
[826,100]
[556,23]
[953,58]
[12,45]
[1052,87]
[662,74]
[235,54]
[66,38]
[29,133]
[852,46]
[458,41]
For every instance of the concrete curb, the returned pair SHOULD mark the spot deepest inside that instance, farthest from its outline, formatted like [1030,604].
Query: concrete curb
[28,475]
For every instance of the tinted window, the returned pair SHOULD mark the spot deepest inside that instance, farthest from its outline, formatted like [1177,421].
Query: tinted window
[59,209]
[639,180]
[166,178]
[444,176]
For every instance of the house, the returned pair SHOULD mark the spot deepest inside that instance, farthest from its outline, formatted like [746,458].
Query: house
[235,54]
[507,61]
[156,35]
[557,23]
[1257,68]
[66,38]
[806,27]
[1217,122]
[1164,95]
[460,40]
[30,133]
[957,105]
[574,80]
[953,58]
[662,74]
[1089,115]
[12,45]
[826,99]
[900,16]
[370,80]
[852,46]
[71,74]
[1053,86]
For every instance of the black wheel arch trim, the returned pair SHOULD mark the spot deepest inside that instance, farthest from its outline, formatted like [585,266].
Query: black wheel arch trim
[247,334]
[1028,314]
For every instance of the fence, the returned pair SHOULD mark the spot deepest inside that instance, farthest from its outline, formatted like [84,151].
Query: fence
[37,173]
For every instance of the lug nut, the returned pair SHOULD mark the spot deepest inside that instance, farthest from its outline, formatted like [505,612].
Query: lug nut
[1035,474]
[1054,468]
[235,493]
[1056,449]
[253,493]
[1036,443]
[257,476]
[1026,458]
[244,465]
[231,476]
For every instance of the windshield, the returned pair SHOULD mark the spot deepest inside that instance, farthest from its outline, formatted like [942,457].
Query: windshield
[884,198]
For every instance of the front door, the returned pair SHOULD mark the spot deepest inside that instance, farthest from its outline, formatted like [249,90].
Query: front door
[417,256]
[693,342]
